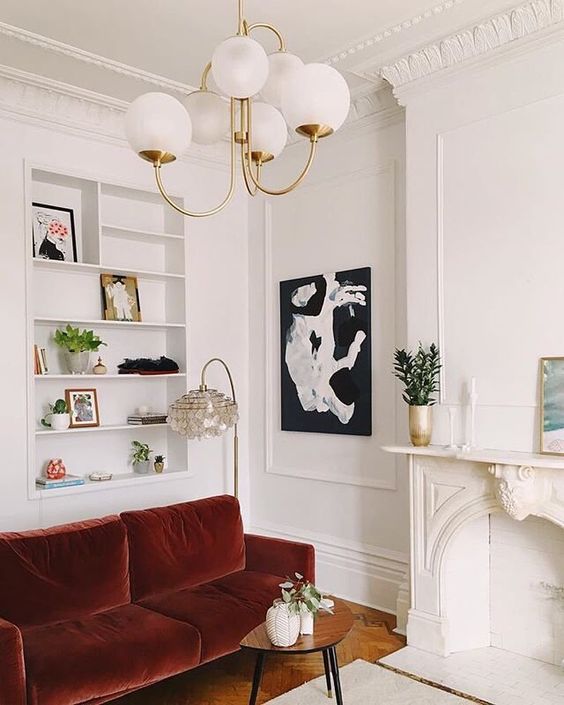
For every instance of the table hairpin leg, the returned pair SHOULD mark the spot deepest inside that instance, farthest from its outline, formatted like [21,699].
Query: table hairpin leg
[259,666]
[336,678]
[327,673]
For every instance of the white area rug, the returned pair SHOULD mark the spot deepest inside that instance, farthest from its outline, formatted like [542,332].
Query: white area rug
[364,683]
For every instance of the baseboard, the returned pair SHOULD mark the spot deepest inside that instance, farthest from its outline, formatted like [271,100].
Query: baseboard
[363,573]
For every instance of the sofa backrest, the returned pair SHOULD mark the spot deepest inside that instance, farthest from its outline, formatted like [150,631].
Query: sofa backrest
[183,545]
[64,572]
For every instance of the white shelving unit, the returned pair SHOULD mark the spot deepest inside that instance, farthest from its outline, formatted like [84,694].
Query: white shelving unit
[120,229]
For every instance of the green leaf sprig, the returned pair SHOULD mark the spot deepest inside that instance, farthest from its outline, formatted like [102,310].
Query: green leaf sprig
[419,373]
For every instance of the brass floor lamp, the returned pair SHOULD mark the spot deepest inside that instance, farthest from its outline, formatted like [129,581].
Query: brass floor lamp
[208,413]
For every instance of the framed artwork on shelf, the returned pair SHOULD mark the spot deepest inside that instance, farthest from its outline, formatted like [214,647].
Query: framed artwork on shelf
[325,353]
[53,233]
[121,298]
[552,405]
[83,407]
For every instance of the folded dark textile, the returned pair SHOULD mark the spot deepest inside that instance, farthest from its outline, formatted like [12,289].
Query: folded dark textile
[145,365]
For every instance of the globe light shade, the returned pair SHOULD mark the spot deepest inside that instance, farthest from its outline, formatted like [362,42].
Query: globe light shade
[316,94]
[158,123]
[239,67]
[209,114]
[281,66]
[269,131]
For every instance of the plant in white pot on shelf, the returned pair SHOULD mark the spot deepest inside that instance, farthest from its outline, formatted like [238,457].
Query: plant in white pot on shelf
[58,417]
[419,373]
[77,345]
[140,457]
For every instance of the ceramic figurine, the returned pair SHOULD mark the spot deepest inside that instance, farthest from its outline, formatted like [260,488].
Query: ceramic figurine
[55,469]
[99,368]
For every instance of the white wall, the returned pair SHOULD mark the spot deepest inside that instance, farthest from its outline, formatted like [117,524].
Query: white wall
[217,299]
[485,149]
[340,492]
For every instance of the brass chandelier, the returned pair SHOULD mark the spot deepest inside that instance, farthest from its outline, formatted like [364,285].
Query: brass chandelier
[274,92]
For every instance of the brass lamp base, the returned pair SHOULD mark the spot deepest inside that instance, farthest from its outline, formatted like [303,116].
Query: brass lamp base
[315,132]
[155,156]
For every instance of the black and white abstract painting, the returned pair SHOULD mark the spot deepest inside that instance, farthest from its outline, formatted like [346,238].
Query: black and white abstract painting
[325,353]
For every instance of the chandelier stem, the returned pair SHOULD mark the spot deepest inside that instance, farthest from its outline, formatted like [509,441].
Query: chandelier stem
[212,211]
[247,150]
[240,19]
[204,79]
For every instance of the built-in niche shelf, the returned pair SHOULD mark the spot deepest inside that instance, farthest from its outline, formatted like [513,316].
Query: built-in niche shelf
[125,230]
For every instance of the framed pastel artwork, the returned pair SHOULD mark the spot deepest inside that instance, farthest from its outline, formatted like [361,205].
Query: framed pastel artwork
[54,235]
[552,405]
[83,407]
[121,298]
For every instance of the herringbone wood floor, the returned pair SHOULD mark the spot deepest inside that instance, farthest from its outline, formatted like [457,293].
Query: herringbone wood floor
[227,681]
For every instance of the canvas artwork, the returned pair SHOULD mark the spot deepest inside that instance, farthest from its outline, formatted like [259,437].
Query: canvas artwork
[326,353]
[54,235]
[121,298]
[552,405]
[83,407]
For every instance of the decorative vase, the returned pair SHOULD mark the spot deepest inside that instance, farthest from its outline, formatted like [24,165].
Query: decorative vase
[306,622]
[77,362]
[282,624]
[420,425]
[55,469]
[159,467]
[142,468]
[60,422]
[99,368]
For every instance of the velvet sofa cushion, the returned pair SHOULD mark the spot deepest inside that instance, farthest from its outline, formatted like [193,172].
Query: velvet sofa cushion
[105,654]
[64,572]
[12,668]
[183,545]
[223,611]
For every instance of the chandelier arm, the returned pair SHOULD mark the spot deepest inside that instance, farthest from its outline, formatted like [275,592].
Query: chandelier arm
[271,28]
[212,211]
[251,191]
[204,79]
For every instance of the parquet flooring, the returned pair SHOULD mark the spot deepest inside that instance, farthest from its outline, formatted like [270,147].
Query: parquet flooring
[227,681]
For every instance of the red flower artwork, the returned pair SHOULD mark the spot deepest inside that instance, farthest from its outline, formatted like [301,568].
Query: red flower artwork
[57,229]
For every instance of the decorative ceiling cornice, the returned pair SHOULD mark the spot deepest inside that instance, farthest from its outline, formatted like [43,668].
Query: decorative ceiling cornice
[472,42]
[393,30]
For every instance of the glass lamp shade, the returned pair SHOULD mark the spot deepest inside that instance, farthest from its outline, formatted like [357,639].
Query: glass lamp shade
[202,414]
[316,94]
[269,130]
[209,114]
[239,67]
[157,122]
[281,66]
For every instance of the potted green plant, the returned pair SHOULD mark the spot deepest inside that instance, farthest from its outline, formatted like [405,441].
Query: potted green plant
[303,598]
[419,373]
[77,345]
[159,463]
[140,457]
[58,415]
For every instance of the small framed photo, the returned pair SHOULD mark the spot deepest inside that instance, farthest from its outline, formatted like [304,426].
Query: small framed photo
[83,407]
[54,236]
[121,298]
[552,405]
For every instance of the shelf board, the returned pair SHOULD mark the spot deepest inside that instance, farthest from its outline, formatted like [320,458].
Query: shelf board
[99,429]
[122,232]
[120,480]
[87,268]
[112,376]
[98,323]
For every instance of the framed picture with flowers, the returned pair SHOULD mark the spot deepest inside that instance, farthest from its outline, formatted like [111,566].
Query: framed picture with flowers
[54,235]
[83,407]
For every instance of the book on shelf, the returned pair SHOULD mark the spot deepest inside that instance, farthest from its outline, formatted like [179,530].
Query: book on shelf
[45,483]
[40,366]
[146,419]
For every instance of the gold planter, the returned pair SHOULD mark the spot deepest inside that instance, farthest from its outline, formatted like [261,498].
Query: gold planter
[159,467]
[420,425]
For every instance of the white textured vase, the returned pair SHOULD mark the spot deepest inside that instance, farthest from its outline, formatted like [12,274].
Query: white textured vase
[60,422]
[282,625]
[306,622]
[77,362]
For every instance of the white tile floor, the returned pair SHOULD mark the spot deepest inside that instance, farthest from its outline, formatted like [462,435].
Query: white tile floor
[493,675]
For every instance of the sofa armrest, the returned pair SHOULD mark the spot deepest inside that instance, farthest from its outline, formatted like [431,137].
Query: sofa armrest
[280,557]
[12,668]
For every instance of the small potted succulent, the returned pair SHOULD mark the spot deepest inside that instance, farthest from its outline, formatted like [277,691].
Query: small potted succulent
[140,457]
[158,463]
[419,373]
[58,417]
[77,345]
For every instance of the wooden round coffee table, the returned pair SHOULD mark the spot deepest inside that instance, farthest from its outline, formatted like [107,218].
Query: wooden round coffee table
[329,630]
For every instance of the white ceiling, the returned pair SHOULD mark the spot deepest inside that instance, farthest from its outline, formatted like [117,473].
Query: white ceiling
[175,39]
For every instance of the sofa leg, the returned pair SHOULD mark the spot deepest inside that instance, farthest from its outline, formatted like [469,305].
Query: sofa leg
[259,666]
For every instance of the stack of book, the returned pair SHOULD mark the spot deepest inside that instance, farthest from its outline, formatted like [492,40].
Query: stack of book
[146,419]
[40,361]
[44,483]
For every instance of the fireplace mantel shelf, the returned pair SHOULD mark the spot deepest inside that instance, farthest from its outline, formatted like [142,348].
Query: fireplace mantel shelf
[483,455]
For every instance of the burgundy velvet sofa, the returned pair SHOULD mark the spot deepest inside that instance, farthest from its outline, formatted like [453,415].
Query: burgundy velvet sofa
[94,610]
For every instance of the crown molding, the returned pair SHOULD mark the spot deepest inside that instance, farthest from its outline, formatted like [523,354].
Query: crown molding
[476,41]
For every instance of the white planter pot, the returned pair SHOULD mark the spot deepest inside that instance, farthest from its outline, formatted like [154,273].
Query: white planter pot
[306,622]
[77,362]
[142,468]
[59,422]
[282,625]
